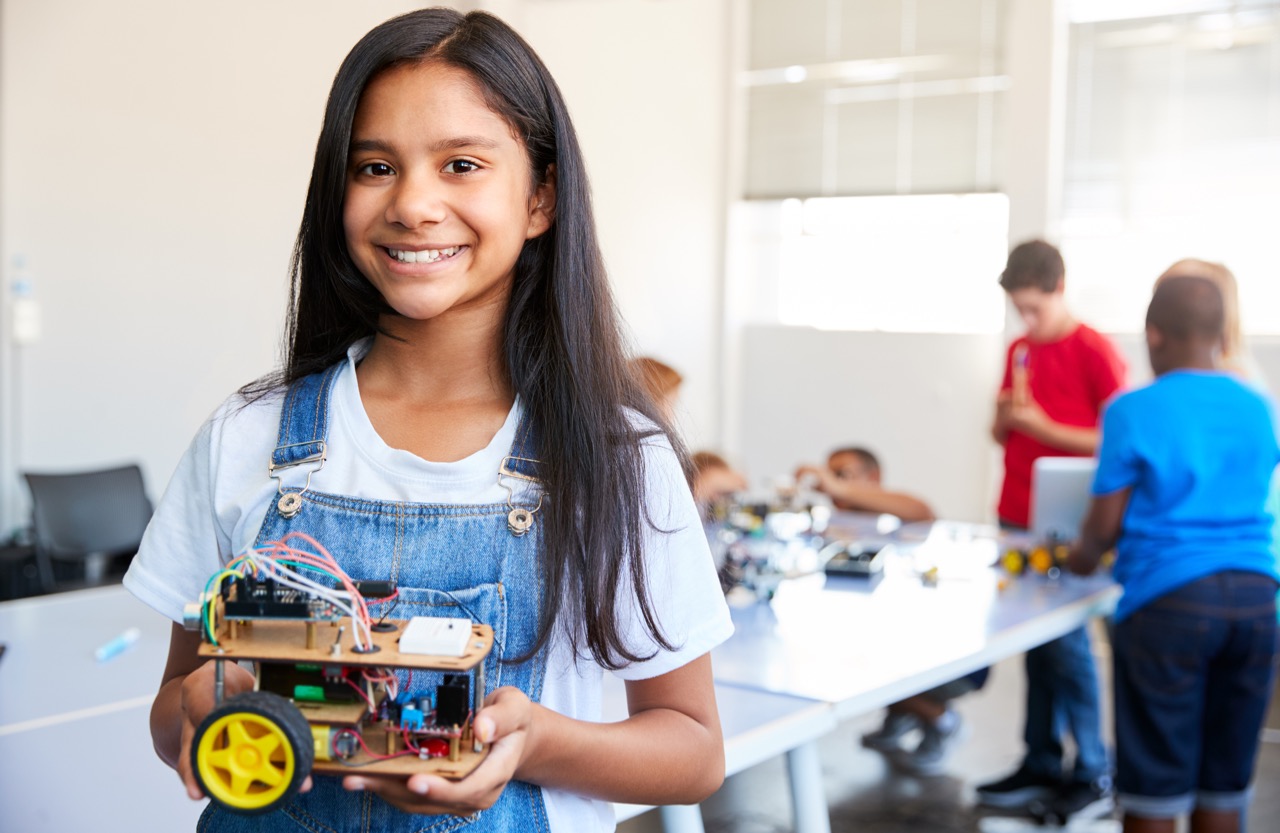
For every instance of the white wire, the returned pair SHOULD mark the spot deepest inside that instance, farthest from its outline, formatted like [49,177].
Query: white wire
[341,599]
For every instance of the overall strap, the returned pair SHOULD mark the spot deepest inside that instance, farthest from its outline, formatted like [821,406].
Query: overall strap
[522,461]
[304,421]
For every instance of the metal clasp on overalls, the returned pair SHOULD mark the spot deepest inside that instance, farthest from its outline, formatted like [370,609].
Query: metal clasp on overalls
[520,518]
[290,502]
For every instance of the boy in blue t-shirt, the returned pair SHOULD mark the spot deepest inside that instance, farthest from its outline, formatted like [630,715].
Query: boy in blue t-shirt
[1183,475]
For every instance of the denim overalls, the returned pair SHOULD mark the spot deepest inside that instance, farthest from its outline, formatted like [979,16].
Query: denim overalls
[459,561]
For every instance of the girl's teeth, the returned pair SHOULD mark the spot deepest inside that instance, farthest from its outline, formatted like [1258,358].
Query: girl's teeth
[424,256]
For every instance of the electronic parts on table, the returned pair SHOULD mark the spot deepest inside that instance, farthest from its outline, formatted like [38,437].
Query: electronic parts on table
[854,558]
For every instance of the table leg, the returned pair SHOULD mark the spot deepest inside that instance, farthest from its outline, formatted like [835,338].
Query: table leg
[808,799]
[681,818]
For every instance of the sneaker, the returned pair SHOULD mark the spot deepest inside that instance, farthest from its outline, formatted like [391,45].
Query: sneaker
[889,736]
[929,757]
[1018,790]
[1083,800]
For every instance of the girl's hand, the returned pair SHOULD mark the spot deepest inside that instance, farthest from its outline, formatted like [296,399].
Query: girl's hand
[505,723]
[196,703]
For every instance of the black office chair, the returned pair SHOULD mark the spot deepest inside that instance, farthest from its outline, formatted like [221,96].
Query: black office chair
[89,517]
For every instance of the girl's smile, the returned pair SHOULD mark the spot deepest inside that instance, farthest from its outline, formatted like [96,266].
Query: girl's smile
[424,255]
[439,198]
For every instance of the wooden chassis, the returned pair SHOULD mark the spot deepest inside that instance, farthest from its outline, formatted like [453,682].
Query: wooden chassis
[286,641]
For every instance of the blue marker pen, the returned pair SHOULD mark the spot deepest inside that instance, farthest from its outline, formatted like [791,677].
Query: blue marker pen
[118,645]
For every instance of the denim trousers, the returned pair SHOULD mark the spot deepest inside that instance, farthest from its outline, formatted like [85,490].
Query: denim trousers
[1062,696]
[1193,677]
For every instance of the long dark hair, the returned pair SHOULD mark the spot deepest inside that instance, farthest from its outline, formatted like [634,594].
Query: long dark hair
[562,342]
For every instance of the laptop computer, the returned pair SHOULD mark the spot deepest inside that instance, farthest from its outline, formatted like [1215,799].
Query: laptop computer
[1060,496]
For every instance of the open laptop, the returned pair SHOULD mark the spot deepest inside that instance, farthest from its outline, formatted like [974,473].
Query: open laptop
[1060,496]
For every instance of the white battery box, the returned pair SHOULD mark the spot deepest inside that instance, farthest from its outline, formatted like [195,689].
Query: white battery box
[436,635]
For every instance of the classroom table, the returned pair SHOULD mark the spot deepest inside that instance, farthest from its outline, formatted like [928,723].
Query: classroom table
[940,609]
[862,643]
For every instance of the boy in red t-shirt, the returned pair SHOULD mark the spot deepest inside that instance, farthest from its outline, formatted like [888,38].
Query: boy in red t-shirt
[1057,377]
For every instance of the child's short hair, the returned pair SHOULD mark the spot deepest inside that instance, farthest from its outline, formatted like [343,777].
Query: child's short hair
[1186,308]
[1033,265]
[869,460]
[706,460]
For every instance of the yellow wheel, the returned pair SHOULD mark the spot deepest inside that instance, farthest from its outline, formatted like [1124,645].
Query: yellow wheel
[253,752]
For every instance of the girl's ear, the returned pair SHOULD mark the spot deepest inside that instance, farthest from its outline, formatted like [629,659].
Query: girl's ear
[542,205]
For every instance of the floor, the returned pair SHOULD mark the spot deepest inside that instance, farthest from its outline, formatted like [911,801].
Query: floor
[867,796]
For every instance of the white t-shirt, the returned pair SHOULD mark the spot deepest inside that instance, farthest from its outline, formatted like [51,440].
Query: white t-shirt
[214,505]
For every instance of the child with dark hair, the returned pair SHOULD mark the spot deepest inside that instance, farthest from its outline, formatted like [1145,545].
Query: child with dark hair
[455,415]
[1183,475]
[1056,378]
[852,480]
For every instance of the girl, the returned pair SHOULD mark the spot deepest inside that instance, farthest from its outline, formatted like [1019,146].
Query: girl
[455,415]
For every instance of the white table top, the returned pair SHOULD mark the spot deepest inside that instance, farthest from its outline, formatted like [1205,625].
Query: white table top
[48,668]
[861,644]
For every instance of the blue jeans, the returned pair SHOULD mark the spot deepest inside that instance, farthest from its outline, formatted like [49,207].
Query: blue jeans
[1193,678]
[1062,694]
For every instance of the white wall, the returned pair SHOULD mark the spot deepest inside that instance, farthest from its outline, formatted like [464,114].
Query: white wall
[153,164]
[922,403]
[647,83]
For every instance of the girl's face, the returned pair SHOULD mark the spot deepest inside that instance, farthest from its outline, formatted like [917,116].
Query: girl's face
[439,200]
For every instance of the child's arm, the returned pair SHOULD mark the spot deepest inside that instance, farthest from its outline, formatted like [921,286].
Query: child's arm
[669,751]
[867,497]
[1030,419]
[1099,531]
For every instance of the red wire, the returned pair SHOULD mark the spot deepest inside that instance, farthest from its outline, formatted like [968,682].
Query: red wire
[363,696]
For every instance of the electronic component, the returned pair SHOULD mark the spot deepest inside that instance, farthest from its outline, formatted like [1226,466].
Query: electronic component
[411,718]
[266,599]
[436,635]
[453,700]
[853,559]
[370,589]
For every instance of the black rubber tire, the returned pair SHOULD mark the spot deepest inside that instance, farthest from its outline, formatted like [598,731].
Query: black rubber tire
[287,719]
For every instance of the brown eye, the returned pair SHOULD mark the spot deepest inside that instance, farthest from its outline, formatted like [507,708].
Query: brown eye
[375,169]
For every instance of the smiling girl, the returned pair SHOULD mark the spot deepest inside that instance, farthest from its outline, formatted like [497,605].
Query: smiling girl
[452,344]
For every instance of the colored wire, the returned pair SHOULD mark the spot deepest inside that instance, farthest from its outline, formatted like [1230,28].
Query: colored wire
[363,696]
[293,567]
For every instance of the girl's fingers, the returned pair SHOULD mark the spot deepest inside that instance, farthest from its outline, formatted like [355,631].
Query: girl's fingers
[423,793]
[407,795]
[505,711]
